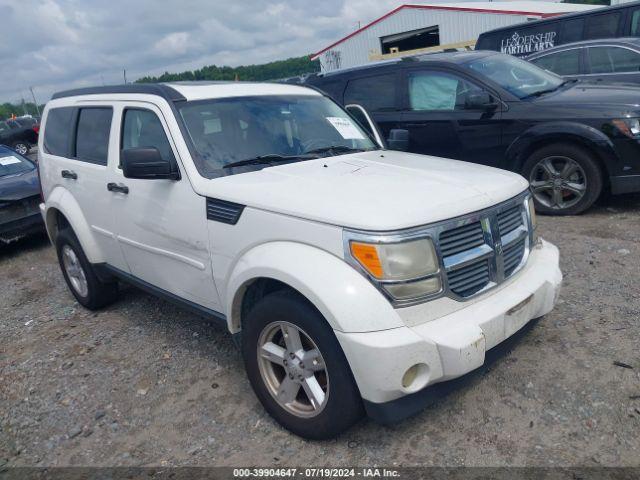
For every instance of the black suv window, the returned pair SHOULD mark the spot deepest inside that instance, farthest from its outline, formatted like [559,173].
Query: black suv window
[92,137]
[57,131]
[602,26]
[562,63]
[572,30]
[613,60]
[635,23]
[142,128]
[374,93]
[437,91]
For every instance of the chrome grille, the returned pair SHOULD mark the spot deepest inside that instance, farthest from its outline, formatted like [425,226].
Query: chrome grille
[484,249]
[470,279]
[461,238]
[510,219]
[513,256]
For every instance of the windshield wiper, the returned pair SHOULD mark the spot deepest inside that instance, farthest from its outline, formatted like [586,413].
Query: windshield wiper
[262,159]
[549,90]
[335,149]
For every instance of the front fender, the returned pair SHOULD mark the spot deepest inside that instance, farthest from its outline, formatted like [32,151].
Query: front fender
[348,301]
[60,200]
[545,133]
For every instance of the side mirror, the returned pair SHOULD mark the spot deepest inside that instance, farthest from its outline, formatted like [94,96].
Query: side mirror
[479,101]
[146,163]
[398,139]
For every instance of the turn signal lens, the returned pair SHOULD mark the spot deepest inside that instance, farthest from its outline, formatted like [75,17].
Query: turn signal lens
[397,261]
[532,213]
[367,255]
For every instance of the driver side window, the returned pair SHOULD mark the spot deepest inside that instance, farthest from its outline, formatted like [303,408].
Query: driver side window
[438,91]
[142,128]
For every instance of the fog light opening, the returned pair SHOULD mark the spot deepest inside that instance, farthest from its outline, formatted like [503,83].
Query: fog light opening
[416,377]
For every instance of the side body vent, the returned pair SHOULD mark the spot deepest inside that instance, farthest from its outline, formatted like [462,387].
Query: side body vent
[223,211]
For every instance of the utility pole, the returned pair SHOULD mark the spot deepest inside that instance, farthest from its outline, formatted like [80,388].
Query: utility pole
[124,73]
[35,101]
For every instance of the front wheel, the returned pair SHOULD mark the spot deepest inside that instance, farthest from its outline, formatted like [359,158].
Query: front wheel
[297,368]
[564,179]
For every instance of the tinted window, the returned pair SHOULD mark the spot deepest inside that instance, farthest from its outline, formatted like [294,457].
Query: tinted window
[142,128]
[602,26]
[437,91]
[562,63]
[92,138]
[572,30]
[613,60]
[635,23]
[11,163]
[373,93]
[57,131]
[4,128]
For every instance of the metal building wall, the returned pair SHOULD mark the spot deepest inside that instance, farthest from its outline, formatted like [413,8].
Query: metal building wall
[455,26]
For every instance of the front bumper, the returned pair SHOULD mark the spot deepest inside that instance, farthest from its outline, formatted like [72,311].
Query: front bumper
[452,344]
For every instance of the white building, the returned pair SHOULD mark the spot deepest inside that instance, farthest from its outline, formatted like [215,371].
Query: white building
[418,26]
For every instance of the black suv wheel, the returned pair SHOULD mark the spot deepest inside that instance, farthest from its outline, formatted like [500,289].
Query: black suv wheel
[564,179]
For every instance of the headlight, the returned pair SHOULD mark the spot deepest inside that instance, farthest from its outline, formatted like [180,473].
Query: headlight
[405,270]
[628,126]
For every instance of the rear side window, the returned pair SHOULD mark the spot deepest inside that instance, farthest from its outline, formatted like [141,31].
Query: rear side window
[602,26]
[635,23]
[572,30]
[142,128]
[613,60]
[376,93]
[562,63]
[92,137]
[57,131]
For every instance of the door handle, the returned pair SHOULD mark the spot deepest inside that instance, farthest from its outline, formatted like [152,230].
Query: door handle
[69,174]
[117,187]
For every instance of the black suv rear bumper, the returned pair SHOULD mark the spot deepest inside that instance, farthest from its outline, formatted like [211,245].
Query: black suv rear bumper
[15,229]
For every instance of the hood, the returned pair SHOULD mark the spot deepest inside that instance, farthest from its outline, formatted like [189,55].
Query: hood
[16,187]
[378,190]
[595,96]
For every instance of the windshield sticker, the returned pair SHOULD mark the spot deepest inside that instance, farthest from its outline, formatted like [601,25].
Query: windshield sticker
[346,128]
[10,160]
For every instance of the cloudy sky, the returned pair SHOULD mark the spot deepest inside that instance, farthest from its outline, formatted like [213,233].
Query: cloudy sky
[59,44]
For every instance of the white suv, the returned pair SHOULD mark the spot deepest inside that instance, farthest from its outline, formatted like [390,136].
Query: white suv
[352,277]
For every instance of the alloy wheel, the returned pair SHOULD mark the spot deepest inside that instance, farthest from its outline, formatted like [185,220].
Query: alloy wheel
[21,148]
[293,370]
[558,182]
[74,271]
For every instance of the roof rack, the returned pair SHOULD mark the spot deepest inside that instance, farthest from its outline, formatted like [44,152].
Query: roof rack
[159,89]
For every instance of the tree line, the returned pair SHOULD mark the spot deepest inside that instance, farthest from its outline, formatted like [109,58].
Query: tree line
[7,109]
[280,69]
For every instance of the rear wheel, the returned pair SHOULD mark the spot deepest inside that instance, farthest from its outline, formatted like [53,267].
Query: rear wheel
[297,368]
[81,279]
[21,147]
[564,179]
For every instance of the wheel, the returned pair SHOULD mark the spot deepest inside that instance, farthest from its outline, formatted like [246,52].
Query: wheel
[21,147]
[297,368]
[81,279]
[564,179]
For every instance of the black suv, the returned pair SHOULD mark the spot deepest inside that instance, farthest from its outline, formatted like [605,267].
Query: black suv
[19,137]
[570,139]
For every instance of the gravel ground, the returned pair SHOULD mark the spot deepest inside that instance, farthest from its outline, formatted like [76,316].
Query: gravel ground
[144,383]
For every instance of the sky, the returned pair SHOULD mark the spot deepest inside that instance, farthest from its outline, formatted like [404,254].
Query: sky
[59,44]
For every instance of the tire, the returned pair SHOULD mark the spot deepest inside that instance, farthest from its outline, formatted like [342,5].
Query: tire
[97,293]
[555,186]
[342,404]
[21,147]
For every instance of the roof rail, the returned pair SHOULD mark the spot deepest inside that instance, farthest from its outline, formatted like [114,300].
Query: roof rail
[159,89]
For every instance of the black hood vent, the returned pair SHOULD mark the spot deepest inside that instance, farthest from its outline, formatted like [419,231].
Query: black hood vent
[223,211]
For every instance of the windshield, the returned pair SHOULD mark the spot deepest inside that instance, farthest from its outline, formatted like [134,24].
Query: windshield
[230,130]
[522,79]
[12,164]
